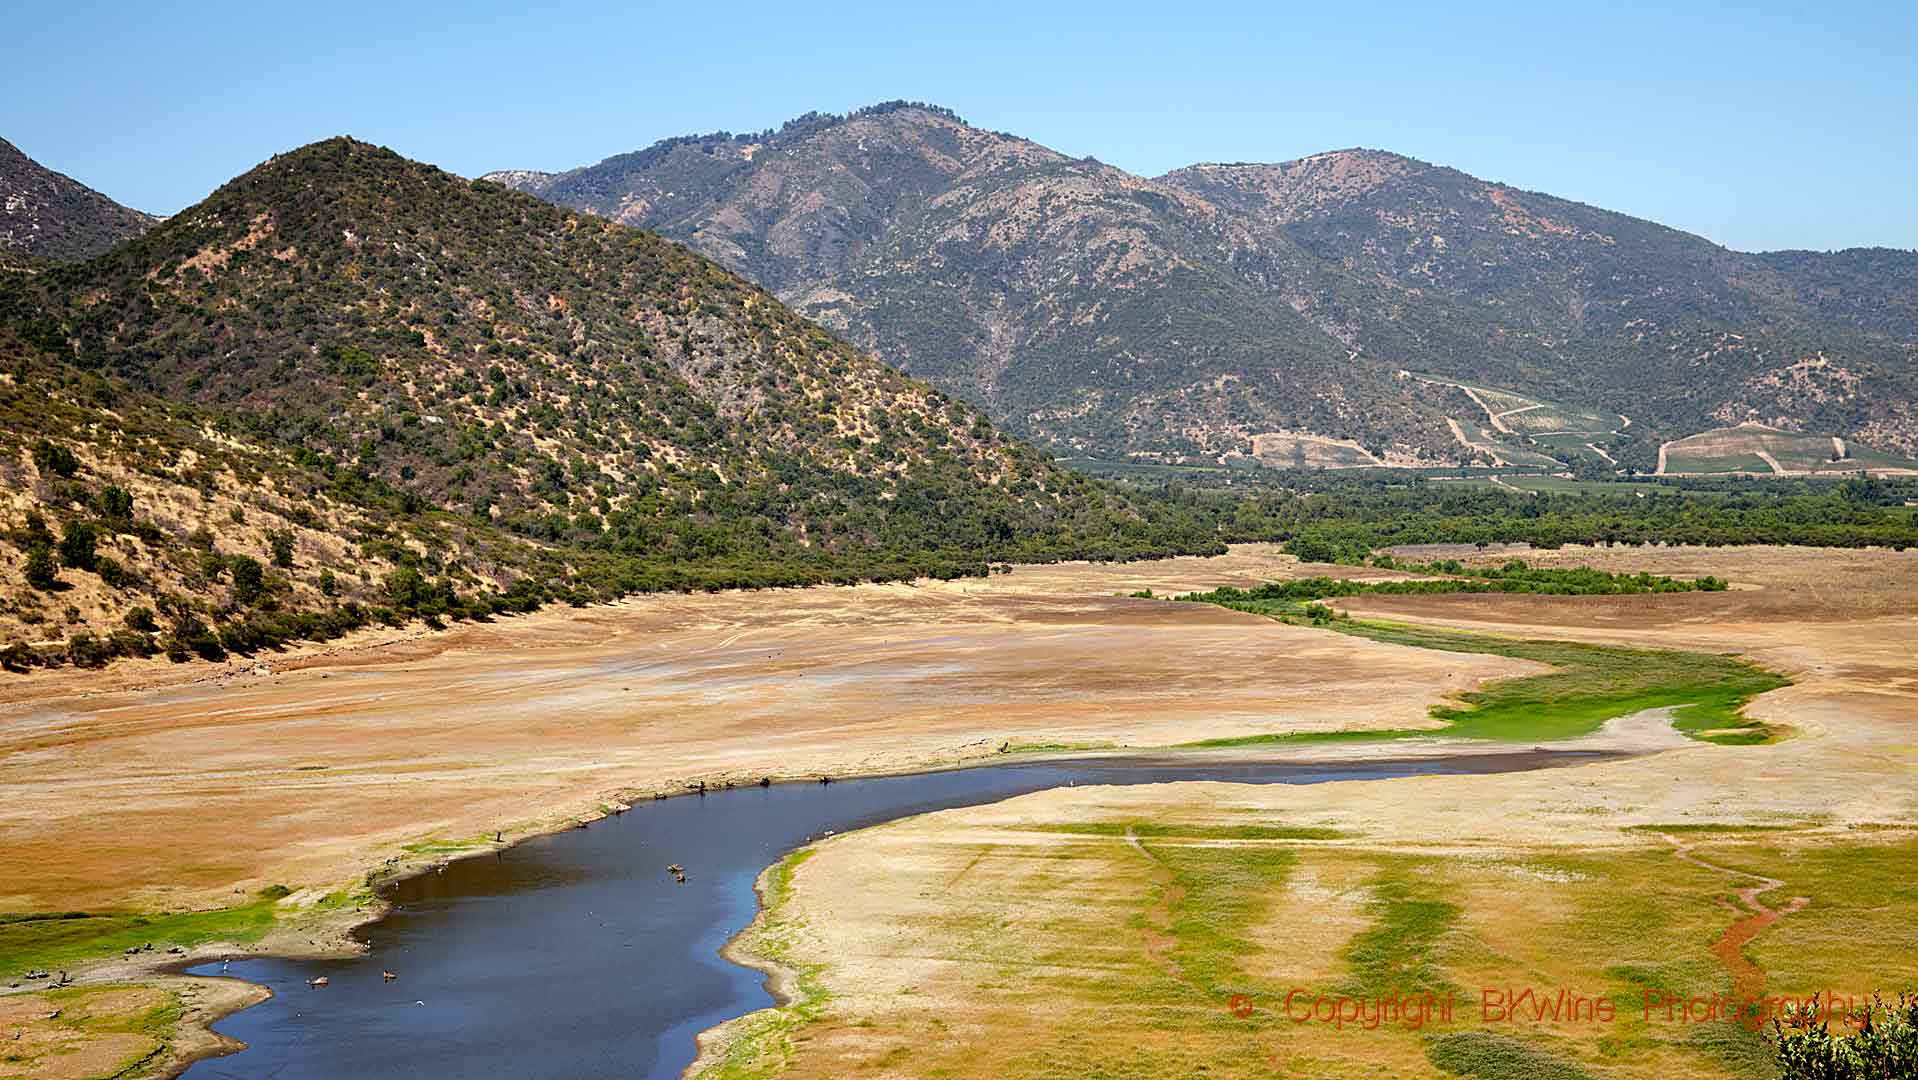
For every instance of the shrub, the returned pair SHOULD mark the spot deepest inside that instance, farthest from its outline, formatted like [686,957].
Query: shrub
[406,588]
[36,533]
[42,572]
[85,650]
[249,579]
[281,541]
[132,643]
[17,657]
[114,503]
[77,545]
[329,585]
[1885,1045]
[53,459]
[111,572]
[141,619]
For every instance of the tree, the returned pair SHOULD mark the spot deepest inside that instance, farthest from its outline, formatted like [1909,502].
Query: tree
[52,458]
[281,541]
[249,579]
[77,545]
[406,588]
[329,585]
[141,619]
[114,503]
[42,572]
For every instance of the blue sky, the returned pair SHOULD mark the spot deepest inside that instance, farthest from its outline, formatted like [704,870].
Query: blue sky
[1757,125]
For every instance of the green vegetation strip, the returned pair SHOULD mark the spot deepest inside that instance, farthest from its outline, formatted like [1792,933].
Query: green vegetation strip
[61,940]
[1589,684]
[764,1045]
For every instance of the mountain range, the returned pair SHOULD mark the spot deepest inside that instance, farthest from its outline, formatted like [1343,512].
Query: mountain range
[1351,298]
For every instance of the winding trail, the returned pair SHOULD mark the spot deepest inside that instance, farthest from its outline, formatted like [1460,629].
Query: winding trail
[1748,979]
[1159,938]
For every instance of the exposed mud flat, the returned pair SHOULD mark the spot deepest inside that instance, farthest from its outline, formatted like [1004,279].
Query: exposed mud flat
[189,793]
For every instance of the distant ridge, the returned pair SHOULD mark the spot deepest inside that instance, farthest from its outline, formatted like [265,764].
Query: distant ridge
[46,214]
[1184,315]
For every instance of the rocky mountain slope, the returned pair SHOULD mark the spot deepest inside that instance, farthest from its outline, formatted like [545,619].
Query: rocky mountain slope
[1189,313]
[351,379]
[46,214]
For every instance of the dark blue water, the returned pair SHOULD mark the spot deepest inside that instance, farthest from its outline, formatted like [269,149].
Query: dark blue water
[576,955]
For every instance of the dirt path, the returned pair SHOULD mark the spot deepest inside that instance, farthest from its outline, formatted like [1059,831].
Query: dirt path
[1491,416]
[1499,418]
[1748,979]
[1159,939]
[1765,456]
[1458,432]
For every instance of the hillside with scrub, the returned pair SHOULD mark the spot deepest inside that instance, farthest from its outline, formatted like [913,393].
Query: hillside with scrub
[349,387]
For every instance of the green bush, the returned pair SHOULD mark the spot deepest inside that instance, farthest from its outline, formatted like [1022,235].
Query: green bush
[249,578]
[1885,1046]
[281,541]
[85,650]
[17,657]
[42,571]
[53,459]
[114,503]
[77,545]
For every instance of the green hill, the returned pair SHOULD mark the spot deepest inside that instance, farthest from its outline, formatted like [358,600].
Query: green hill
[348,386]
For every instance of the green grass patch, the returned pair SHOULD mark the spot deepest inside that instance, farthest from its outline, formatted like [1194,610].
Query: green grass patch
[1217,894]
[764,1046]
[1589,684]
[1054,747]
[60,941]
[1485,1055]
[449,847]
[1399,954]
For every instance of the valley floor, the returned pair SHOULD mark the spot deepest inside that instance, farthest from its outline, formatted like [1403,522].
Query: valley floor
[1193,928]
[154,790]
